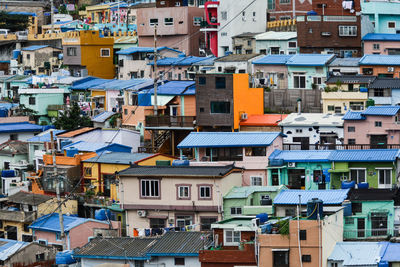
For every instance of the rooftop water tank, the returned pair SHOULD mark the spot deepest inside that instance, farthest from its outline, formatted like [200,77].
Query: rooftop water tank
[314,207]
[348,185]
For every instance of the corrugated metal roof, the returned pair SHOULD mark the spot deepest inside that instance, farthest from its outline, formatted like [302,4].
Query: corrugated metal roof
[174,171]
[34,47]
[312,119]
[353,115]
[8,247]
[87,83]
[132,50]
[301,155]
[51,222]
[272,60]
[271,35]
[91,147]
[45,136]
[386,60]
[309,60]
[175,88]
[120,84]
[179,244]
[365,155]
[228,139]
[116,247]
[208,61]
[351,79]
[178,61]
[345,62]
[390,252]
[328,196]
[356,253]
[102,117]
[382,110]
[381,37]
[76,132]
[20,127]
[118,157]
[385,83]
[245,191]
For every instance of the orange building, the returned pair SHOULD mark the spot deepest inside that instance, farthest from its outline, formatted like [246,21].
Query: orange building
[86,52]
[380,65]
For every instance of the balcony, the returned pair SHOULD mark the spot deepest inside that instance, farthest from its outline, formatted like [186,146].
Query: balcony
[17,216]
[370,234]
[298,146]
[170,122]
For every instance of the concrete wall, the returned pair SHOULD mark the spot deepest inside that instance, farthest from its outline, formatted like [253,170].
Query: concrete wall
[309,72]
[282,44]
[342,99]
[377,69]
[286,100]
[21,136]
[383,47]
[278,74]
[28,254]
[313,135]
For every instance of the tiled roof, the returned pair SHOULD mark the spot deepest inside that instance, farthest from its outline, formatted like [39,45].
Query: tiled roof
[301,155]
[74,133]
[309,60]
[228,139]
[245,191]
[34,47]
[345,62]
[132,50]
[28,198]
[385,83]
[174,171]
[312,119]
[350,79]
[118,157]
[236,57]
[179,244]
[365,155]
[329,196]
[356,253]
[263,120]
[8,247]
[117,248]
[20,127]
[102,117]
[272,60]
[51,222]
[381,37]
[353,115]
[382,110]
[386,60]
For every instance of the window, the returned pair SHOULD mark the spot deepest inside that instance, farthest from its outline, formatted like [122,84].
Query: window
[184,191]
[378,124]
[290,212]
[40,257]
[357,105]
[331,108]
[32,100]
[280,258]
[205,223]
[58,236]
[358,175]
[306,258]
[139,263]
[87,171]
[391,24]
[197,21]
[284,1]
[351,141]
[224,15]
[338,110]
[379,92]
[334,264]
[105,52]
[6,164]
[348,220]
[157,223]
[375,46]
[183,220]
[220,107]
[205,192]
[231,237]
[347,30]
[202,80]
[317,80]
[168,21]
[28,56]
[1,224]
[255,151]
[71,51]
[153,22]
[385,178]
[220,83]
[225,154]
[356,207]
[26,238]
[179,261]
[303,234]
[256,180]
[299,81]
[26,227]
[150,188]
[292,44]
[299,130]
[351,129]
[236,210]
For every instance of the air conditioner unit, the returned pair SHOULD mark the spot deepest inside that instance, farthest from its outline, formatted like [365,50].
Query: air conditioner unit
[171,221]
[243,116]
[390,69]
[142,213]
[291,164]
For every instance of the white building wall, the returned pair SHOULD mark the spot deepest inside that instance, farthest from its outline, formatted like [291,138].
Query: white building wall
[254,20]
[332,232]
[311,132]
[4,137]
[155,262]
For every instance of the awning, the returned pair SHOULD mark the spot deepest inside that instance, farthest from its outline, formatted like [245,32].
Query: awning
[280,249]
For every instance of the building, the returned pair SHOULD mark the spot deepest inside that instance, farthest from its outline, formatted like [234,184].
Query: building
[247,150]
[235,63]
[39,145]
[223,100]
[271,71]
[381,44]
[14,156]
[20,131]
[175,24]
[176,196]
[344,66]
[309,130]
[385,91]
[376,126]
[106,119]
[244,43]
[382,16]
[346,92]
[82,146]
[88,53]
[46,229]
[40,59]
[353,253]
[276,43]
[380,65]
[176,68]
[286,10]
[262,123]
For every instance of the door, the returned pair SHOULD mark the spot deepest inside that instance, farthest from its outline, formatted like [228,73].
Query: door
[378,141]
[296,178]
[361,227]
[385,178]
[304,141]
[108,179]
[379,223]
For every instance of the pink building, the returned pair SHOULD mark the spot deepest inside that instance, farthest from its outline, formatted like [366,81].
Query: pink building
[381,43]
[377,126]
[271,71]
[247,150]
[77,230]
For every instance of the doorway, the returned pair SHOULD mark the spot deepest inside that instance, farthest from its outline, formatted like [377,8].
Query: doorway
[296,178]
[361,227]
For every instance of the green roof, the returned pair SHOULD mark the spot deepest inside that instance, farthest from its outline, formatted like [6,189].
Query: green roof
[246,191]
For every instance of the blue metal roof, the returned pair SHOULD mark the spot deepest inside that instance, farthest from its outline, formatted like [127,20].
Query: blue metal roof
[381,37]
[356,253]
[8,105]
[309,60]
[8,247]
[386,60]
[102,117]
[45,136]
[97,147]
[272,60]
[87,83]
[382,110]
[120,84]
[22,13]
[34,47]
[365,155]
[51,223]
[228,139]
[390,252]
[178,61]
[353,115]
[20,127]
[175,88]
[329,196]
[138,49]
[118,157]
[301,155]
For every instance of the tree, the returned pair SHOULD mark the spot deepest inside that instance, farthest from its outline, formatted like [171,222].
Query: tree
[14,22]
[72,119]
[22,110]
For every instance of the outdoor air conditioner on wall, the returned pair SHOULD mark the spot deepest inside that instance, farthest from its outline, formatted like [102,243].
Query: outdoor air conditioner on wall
[291,164]
[141,213]
[390,69]
[243,116]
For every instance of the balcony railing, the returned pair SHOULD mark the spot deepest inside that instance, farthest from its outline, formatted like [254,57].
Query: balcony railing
[170,121]
[297,146]
[381,233]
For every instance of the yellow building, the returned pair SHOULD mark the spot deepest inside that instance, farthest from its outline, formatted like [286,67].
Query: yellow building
[86,52]
[99,172]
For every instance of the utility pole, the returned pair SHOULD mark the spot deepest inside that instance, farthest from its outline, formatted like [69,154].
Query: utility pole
[155,71]
[58,179]
[52,15]
[294,9]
